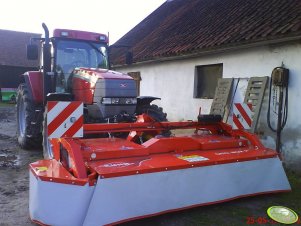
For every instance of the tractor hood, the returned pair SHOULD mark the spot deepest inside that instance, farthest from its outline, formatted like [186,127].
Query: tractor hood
[90,85]
[93,74]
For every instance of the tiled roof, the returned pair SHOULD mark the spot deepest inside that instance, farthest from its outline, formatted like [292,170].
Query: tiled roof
[181,27]
[13,48]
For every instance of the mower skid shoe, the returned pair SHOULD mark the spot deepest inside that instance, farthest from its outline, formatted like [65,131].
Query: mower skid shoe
[122,198]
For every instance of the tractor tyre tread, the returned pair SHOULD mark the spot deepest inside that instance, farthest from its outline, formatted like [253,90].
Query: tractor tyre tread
[155,113]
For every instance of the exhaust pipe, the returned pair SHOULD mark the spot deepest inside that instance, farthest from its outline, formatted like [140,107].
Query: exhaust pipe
[47,80]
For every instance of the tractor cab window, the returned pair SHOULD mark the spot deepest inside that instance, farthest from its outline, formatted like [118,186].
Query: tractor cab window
[71,54]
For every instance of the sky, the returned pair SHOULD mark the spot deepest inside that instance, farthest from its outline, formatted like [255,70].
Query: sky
[115,17]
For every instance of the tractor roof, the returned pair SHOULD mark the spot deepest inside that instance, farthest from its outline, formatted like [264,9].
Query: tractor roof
[81,35]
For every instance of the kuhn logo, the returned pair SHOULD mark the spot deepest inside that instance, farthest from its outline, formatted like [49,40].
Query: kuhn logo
[122,85]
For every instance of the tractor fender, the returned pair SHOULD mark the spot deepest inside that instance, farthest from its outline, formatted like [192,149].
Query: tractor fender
[34,83]
[145,100]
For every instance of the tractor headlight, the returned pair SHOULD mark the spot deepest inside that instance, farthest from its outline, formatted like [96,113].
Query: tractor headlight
[130,101]
[106,100]
[115,100]
[120,101]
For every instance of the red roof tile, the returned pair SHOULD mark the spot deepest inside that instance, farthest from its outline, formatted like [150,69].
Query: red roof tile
[180,27]
[13,48]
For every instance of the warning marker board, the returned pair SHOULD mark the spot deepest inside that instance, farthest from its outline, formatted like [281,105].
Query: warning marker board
[64,119]
[242,116]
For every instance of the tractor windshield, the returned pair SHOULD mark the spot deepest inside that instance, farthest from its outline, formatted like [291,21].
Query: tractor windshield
[70,54]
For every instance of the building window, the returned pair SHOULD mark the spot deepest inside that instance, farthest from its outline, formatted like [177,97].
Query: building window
[137,77]
[205,80]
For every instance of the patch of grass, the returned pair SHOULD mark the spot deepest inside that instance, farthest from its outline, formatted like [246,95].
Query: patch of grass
[6,104]
[292,199]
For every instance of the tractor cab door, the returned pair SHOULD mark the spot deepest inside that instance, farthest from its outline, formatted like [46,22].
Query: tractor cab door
[70,54]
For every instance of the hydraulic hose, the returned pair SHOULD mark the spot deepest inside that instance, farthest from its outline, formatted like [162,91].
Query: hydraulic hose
[282,113]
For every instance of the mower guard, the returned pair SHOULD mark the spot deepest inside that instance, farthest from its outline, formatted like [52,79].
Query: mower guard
[104,181]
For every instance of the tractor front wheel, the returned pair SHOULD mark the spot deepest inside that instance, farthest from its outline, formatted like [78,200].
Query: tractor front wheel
[27,137]
[47,147]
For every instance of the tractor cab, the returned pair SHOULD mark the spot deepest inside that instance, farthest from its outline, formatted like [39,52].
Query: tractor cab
[70,49]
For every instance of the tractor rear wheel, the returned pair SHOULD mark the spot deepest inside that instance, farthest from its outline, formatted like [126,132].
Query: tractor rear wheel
[155,113]
[27,138]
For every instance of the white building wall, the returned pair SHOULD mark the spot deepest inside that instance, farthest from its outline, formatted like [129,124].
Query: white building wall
[174,82]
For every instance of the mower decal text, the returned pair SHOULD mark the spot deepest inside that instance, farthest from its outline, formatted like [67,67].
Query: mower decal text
[231,152]
[118,164]
[193,158]
[214,141]
[42,168]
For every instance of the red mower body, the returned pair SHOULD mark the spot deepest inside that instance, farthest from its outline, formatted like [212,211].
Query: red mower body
[106,181]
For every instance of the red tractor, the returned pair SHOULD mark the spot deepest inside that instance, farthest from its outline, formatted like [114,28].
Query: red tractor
[75,67]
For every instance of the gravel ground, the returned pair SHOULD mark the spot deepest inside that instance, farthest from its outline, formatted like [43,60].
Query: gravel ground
[14,192]
[13,172]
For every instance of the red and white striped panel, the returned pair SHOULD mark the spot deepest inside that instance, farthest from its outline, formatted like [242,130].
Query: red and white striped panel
[65,119]
[242,116]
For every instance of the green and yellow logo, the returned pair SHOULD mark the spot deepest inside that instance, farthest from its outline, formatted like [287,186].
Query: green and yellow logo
[282,214]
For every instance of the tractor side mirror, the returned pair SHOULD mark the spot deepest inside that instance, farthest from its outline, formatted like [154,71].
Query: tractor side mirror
[129,57]
[32,52]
